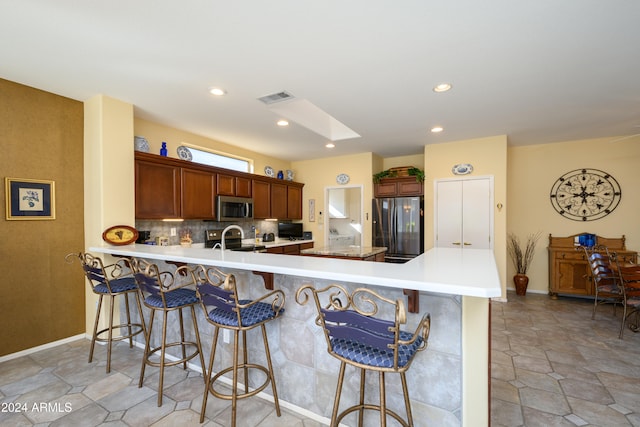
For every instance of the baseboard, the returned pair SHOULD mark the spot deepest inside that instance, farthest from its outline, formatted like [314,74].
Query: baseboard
[41,347]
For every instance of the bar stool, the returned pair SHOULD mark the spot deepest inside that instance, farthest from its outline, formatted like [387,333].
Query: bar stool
[223,309]
[357,338]
[166,292]
[110,280]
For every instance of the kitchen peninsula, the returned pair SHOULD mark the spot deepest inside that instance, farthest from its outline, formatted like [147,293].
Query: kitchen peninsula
[448,383]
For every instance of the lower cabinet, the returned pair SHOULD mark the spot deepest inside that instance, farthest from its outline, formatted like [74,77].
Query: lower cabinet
[290,249]
[569,272]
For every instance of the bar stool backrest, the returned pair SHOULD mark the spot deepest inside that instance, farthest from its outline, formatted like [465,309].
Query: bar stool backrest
[217,290]
[154,283]
[97,273]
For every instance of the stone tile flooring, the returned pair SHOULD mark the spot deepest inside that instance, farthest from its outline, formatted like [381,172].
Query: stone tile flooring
[551,366]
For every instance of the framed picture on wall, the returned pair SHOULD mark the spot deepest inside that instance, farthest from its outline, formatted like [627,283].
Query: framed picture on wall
[30,199]
[312,210]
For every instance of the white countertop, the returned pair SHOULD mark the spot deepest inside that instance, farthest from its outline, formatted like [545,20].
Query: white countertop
[470,272]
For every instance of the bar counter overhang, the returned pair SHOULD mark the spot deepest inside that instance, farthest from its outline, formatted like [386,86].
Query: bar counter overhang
[448,383]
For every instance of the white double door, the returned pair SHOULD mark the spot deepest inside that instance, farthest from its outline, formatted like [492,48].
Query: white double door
[464,213]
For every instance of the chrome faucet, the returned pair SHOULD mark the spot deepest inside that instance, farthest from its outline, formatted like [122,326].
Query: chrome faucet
[224,232]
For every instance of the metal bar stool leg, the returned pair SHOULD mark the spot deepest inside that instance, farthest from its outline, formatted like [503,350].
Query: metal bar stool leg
[147,347]
[361,411]
[199,344]
[110,332]
[207,378]
[95,328]
[163,351]
[184,352]
[336,403]
[383,403]
[126,303]
[271,376]
[407,403]
[234,392]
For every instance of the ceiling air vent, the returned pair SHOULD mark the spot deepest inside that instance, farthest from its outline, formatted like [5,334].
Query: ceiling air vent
[276,97]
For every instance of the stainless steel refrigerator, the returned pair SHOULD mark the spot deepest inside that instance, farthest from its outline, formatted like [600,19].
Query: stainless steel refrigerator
[398,224]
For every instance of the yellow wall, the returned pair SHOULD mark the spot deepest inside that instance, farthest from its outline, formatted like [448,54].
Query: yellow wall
[416,160]
[488,156]
[41,296]
[321,173]
[534,169]
[156,133]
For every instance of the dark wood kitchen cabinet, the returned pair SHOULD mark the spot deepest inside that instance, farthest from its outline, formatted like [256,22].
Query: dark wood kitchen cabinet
[398,187]
[261,199]
[231,185]
[172,188]
[198,194]
[158,190]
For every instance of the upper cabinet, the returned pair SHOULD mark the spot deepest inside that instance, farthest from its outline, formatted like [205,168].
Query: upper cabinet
[398,187]
[171,188]
[158,190]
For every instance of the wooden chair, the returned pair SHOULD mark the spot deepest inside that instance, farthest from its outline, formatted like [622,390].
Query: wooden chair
[357,338]
[167,292]
[110,281]
[224,309]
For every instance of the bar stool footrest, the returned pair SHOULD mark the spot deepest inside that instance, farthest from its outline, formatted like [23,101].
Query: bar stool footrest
[372,407]
[243,395]
[121,337]
[149,362]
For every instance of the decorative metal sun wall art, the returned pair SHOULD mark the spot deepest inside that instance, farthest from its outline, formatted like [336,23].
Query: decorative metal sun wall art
[585,194]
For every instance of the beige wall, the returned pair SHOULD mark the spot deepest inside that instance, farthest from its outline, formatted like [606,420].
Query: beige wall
[321,173]
[156,133]
[41,296]
[488,157]
[400,161]
[533,171]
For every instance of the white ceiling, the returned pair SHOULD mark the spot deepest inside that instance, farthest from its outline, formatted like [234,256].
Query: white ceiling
[538,71]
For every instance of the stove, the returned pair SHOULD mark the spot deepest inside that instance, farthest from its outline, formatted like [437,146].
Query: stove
[232,242]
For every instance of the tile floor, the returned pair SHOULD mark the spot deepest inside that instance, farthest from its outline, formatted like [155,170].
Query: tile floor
[551,366]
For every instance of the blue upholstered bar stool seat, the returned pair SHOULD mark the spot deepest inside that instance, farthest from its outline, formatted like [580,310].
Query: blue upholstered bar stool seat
[110,281]
[357,338]
[224,310]
[168,292]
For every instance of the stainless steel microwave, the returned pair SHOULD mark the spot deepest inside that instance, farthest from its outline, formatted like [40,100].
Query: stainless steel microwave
[234,208]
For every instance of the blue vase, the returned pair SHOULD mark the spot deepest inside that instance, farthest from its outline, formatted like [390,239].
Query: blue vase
[280,175]
[163,150]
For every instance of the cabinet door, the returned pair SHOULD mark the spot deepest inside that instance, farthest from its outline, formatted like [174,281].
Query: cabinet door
[279,201]
[157,191]
[198,192]
[410,188]
[275,250]
[243,187]
[226,185]
[291,250]
[385,189]
[572,277]
[294,202]
[261,199]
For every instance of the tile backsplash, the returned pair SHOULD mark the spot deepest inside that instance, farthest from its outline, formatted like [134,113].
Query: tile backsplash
[197,228]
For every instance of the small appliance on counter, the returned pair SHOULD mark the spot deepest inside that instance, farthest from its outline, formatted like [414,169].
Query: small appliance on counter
[143,236]
[233,241]
[268,237]
[290,230]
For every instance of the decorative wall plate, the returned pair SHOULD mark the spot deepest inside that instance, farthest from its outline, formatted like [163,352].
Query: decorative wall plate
[141,144]
[342,178]
[462,169]
[268,170]
[184,153]
[120,235]
[289,175]
[585,194]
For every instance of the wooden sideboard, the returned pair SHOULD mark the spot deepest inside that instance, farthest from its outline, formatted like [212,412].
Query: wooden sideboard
[569,271]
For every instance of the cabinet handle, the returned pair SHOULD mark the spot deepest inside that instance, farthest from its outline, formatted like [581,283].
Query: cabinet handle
[563,254]
[467,244]
[456,243]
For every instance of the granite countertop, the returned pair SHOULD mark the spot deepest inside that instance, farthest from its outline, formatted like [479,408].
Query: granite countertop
[345,251]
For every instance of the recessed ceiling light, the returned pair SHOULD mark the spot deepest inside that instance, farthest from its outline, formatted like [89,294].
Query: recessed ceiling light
[437,129]
[330,145]
[442,87]
[282,123]
[217,91]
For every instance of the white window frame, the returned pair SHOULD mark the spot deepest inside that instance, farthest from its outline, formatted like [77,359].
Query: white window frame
[233,157]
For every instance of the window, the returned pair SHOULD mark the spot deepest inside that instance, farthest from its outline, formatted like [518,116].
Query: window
[221,160]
